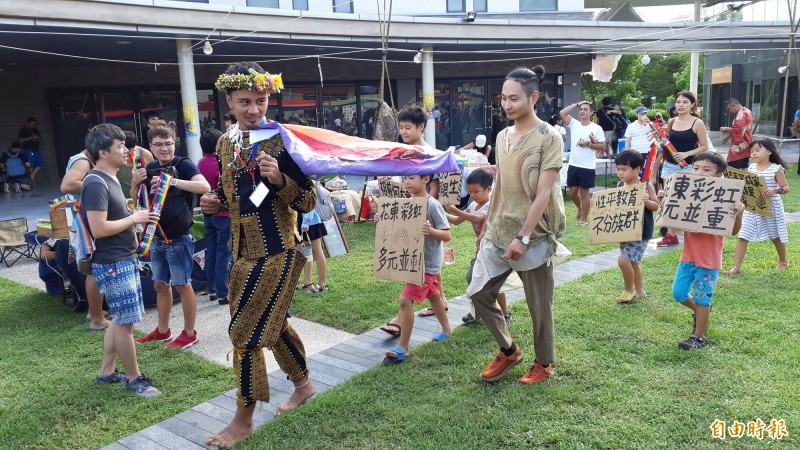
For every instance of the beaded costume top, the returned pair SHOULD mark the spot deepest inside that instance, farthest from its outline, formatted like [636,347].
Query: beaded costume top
[270,228]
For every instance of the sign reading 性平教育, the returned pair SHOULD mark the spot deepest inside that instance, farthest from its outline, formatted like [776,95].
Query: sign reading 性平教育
[754,187]
[700,204]
[617,215]
[399,242]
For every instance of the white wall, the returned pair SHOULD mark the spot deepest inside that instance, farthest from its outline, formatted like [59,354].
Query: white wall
[410,8]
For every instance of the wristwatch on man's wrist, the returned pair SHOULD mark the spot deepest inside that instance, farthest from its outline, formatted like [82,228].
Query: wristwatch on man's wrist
[173,182]
[524,239]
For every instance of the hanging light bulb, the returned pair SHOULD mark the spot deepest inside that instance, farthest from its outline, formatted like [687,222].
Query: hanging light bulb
[418,57]
[207,48]
[782,69]
[646,59]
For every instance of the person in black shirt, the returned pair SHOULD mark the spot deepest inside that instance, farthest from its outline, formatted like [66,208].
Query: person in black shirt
[29,137]
[173,247]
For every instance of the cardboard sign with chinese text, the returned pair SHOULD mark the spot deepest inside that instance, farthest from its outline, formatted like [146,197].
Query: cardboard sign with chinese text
[393,189]
[754,186]
[617,215]
[450,187]
[399,243]
[700,204]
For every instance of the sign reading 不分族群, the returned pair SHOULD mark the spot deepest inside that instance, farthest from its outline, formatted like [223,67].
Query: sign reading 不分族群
[399,242]
[450,187]
[392,189]
[700,204]
[617,215]
[754,187]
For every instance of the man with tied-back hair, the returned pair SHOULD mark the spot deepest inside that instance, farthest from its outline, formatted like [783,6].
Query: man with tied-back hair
[524,221]
[263,190]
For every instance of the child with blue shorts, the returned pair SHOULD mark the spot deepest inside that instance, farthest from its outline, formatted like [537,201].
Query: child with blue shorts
[701,261]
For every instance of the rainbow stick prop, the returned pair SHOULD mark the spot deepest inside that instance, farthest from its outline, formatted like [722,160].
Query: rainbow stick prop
[592,139]
[157,204]
[660,134]
[648,164]
[61,201]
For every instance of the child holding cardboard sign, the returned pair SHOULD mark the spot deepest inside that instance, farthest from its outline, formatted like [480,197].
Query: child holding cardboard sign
[765,161]
[701,260]
[629,163]
[436,230]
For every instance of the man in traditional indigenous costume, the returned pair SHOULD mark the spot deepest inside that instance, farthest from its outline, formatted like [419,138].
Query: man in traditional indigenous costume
[263,189]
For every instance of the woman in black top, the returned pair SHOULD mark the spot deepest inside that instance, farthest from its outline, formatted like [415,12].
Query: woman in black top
[688,135]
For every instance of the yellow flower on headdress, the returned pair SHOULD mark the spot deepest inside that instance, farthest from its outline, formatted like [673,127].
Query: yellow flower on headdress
[277,82]
[261,81]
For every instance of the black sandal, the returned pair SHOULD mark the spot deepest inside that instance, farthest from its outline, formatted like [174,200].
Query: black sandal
[392,332]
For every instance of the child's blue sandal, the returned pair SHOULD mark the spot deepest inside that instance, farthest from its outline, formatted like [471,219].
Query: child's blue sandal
[400,357]
[439,337]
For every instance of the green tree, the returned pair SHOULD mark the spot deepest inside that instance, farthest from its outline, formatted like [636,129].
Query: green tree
[622,87]
[682,79]
[659,78]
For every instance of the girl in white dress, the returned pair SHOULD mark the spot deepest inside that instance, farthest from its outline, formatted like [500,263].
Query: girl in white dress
[765,160]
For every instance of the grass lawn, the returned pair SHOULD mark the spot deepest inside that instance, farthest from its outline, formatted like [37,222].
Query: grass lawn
[48,363]
[358,302]
[620,380]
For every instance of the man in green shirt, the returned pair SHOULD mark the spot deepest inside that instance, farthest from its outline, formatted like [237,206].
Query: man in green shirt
[524,221]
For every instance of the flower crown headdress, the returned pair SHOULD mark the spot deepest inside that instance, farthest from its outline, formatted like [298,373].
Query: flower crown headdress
[254,81]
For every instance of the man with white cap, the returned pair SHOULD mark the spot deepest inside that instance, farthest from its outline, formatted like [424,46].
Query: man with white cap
[636,133]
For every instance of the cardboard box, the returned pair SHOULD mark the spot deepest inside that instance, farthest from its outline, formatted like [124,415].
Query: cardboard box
[46,230]
[58,218]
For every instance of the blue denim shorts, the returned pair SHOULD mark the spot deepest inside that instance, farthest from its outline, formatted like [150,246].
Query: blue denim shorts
[172,263]
[122,286]
[703,280]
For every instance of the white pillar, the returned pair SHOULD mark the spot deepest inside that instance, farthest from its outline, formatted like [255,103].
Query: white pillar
[189,97]
[427,94]
[695,56]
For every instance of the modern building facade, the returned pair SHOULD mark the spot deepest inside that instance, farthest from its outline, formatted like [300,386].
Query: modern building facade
[74,63]
[755,76]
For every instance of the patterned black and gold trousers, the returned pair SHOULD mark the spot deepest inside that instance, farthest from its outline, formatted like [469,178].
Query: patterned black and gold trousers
[260,293]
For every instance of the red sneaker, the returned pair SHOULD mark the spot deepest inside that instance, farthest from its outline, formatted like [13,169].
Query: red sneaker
[498,368]
[668,241]
[155,335]
[184,340]
[536,374]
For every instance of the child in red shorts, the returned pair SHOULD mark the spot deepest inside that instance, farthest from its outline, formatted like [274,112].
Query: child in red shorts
[436,230]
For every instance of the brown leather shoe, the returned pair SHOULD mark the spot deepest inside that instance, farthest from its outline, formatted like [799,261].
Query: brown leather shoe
[536,374]
[498,368]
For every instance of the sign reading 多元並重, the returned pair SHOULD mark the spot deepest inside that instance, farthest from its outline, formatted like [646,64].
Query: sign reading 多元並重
[399,242]
[700,204]
[617,215]
[754,187]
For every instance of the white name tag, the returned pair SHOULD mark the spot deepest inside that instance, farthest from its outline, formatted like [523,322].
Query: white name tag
[259,194]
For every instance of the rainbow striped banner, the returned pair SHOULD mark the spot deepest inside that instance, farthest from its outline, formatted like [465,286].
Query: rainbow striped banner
[156,205]
[659,133]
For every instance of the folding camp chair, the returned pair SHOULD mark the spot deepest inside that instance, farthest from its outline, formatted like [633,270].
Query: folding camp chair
[12,241]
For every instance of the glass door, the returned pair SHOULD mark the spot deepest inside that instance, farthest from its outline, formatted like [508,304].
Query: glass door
[339,109]
[498,119]
[165,104]
[299,105]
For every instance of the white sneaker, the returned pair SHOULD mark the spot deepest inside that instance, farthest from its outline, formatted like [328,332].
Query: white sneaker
[6,187]
[17,187]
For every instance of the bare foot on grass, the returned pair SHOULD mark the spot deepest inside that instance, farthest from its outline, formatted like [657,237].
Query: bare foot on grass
[300,395]
[231,435]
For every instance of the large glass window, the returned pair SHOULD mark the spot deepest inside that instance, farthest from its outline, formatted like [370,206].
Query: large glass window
[264,3]
[549,101]
[469,118]
[301,5]
[299,105]
[441,113]
[368,103]
[455,6]
[538,5]
[480,5]
[339,109]
[207,110]
[343,6]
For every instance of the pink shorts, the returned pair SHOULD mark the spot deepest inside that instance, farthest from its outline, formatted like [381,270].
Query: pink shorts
[429,288]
